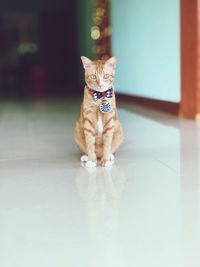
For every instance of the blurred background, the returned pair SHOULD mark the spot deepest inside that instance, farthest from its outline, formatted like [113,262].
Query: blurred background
[41,44]
[156,44]
[42,41]
[39,48]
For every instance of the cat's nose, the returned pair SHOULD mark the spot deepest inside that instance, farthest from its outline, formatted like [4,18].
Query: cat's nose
[99,85]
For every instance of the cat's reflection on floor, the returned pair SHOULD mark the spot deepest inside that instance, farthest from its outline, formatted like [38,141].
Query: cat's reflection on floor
[101,192]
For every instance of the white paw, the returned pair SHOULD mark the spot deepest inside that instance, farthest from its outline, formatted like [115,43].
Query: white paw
[108,163]
[84,158]
[89,170]
[112,157]
[90,164]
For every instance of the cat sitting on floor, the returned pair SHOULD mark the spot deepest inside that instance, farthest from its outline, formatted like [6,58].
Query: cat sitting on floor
[98,132]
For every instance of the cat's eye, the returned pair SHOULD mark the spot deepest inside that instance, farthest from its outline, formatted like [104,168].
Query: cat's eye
[93,77]
[106,76]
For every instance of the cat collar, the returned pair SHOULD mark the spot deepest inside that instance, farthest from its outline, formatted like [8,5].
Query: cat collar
[97,95]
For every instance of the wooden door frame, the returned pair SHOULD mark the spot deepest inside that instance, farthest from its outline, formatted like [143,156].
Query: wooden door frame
[190,59]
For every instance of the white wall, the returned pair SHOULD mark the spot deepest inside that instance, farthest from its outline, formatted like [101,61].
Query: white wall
[146,42]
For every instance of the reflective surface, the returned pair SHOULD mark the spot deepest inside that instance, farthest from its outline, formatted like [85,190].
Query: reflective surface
[144,211]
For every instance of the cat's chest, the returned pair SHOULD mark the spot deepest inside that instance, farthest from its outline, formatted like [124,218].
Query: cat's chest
[99,126]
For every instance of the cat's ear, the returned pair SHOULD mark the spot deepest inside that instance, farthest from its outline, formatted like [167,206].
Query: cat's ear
[111,62]
[86,62]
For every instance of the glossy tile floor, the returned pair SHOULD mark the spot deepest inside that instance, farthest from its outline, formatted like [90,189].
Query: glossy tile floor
[144,212]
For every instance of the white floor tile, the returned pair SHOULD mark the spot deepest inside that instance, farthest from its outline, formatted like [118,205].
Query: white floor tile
[143,212]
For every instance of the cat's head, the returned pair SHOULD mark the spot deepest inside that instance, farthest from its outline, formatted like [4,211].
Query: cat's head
[99,74]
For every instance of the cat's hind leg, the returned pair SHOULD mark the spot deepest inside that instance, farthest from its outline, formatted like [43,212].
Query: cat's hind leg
[79,138]
[117,138]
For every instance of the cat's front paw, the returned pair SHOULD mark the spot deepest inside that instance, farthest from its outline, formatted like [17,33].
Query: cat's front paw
[84,158]
[90,164]
[106,163]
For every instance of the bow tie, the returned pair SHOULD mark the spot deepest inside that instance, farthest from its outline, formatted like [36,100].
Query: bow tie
[97,95]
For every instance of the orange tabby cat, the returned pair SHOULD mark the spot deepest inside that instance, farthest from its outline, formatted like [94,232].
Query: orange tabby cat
[98,132]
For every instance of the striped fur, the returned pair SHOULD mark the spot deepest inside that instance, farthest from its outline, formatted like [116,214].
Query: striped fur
[95,144]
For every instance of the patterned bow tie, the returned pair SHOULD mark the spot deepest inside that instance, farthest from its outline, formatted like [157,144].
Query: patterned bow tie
[97,95]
